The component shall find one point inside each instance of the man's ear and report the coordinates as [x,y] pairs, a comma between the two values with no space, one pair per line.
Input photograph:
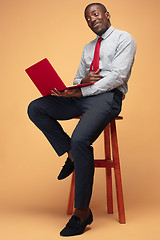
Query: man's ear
[107,15]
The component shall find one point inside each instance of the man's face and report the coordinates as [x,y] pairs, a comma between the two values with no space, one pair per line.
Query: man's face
[97,19]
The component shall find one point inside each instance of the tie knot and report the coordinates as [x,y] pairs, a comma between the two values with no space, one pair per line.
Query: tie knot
[100,39]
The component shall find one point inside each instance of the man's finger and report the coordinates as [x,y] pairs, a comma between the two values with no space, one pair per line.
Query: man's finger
[96,72]
[96,75]
[96,78]
[56,90]
[53,93]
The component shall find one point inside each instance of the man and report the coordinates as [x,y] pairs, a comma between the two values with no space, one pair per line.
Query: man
[98,104]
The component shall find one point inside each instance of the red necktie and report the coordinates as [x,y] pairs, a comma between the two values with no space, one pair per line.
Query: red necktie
[95,63]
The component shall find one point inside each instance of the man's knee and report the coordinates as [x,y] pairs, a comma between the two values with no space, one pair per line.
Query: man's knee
[32,110]
[78,141]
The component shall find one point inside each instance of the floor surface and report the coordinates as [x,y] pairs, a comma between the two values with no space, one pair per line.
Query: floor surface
[142,223]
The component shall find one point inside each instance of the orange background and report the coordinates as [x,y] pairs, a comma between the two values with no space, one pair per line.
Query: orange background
[35,29]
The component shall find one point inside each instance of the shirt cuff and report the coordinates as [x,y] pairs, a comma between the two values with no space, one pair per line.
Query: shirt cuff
[86,91]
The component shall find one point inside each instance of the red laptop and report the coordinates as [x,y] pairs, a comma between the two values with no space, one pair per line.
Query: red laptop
[46,78]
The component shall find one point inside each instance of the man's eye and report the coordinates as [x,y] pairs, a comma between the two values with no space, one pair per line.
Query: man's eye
[95,14]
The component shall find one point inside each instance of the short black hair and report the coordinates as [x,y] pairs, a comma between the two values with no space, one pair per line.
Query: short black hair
[99,4]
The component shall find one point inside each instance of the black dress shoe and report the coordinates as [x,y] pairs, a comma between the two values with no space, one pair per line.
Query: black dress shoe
[75,227]
[67,169]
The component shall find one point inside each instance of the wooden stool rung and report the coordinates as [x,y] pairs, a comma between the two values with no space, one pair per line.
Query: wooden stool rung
[104,163]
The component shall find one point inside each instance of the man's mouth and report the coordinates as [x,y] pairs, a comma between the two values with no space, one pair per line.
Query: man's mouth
[96,24]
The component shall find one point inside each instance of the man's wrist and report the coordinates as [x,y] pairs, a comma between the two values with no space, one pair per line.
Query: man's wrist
[78,92]
[81,81]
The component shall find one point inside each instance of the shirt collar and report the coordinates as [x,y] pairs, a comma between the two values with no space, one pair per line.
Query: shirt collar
[107,32]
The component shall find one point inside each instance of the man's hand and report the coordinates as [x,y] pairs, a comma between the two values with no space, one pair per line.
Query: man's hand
[92,77]
[72,92]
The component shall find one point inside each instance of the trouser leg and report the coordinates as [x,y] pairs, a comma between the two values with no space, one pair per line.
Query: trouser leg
[98,112]
[44,113]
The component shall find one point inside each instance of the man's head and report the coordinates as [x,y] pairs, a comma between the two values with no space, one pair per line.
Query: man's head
[97,17]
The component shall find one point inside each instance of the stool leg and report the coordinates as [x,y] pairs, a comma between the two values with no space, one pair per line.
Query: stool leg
[107,149]
[120,201]
[71,195]
[117,171]
[109,190]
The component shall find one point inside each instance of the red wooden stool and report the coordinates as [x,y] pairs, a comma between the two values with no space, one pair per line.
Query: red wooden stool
[110,135]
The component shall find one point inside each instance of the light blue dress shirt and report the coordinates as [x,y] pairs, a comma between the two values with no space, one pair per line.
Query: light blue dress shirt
[117,53]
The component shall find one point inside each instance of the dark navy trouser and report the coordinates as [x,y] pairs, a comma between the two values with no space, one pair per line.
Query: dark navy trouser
[96,111]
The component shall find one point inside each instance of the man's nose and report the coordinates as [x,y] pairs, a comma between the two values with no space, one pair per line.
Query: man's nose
[93,19]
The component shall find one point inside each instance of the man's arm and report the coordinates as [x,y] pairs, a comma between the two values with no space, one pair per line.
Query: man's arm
[83,76]
[120,70]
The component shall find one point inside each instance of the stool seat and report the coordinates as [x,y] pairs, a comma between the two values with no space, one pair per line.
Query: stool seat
[110,161]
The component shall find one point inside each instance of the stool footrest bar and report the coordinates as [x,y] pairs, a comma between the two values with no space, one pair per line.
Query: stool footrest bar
[104,163]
